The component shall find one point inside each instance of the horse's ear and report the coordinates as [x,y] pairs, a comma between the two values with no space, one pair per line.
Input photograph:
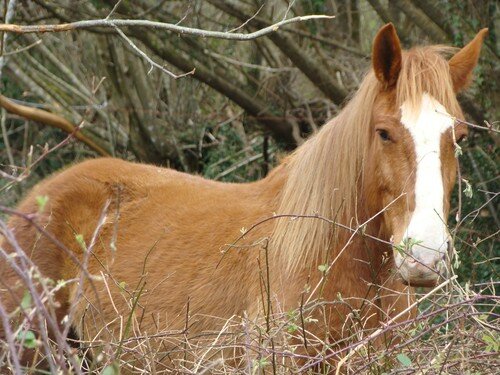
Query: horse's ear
[386,55]
[463,62]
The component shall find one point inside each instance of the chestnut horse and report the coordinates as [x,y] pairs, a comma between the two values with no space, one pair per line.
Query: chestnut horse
[359,209]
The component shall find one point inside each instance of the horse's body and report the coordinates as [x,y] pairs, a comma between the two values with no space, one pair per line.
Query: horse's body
[151,214]
[162,236]
[156,225]
[180,254]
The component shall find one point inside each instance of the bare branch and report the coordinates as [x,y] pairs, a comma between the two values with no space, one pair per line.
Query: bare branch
[489,127]
[86,24]
[148,59]
[50,119]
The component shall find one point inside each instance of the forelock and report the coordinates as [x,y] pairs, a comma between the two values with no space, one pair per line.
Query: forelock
[425,70]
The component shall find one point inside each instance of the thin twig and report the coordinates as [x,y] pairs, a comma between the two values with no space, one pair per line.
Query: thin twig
[148,59]
[114,9]
[488,127]
[23,49]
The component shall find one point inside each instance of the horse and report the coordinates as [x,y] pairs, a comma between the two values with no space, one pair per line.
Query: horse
[354,218]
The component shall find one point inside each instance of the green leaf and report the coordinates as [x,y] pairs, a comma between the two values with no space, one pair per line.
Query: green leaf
[292,328]
[81,241]
[468,188]
[112,369]
[406,245]
[323,267]
[404,359]
[26,301]
[61,283]
[41,201]
[28,338]
[263,362]
[493,343]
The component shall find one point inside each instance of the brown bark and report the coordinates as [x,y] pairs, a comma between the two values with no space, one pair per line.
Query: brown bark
[420,19]
[386,17]
[127,76]
[311,68]
[436,16]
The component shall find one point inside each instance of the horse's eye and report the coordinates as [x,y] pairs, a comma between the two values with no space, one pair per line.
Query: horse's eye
[463,137]
[384,134]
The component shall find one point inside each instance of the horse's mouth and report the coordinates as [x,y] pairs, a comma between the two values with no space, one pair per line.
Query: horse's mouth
[423,283]
[418,275]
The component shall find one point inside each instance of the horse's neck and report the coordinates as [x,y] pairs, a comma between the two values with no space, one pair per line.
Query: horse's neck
[276,178]
[363,270]
[271,186]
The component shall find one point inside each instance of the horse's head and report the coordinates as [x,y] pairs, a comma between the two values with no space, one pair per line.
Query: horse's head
[411,162]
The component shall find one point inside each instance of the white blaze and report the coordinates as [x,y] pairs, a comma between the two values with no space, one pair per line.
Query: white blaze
[427,223]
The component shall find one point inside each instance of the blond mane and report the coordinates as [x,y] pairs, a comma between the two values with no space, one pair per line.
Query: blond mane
[325,173]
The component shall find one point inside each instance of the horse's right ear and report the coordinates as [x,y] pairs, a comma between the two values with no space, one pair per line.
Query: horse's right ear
[386,55]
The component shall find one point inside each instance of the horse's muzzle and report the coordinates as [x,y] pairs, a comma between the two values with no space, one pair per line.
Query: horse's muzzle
[424,283]
[417,274]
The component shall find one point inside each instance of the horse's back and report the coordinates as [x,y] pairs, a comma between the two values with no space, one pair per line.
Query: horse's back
[136,204]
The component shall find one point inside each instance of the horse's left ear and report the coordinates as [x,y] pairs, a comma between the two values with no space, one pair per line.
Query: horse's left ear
[386,55]
[463,62]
